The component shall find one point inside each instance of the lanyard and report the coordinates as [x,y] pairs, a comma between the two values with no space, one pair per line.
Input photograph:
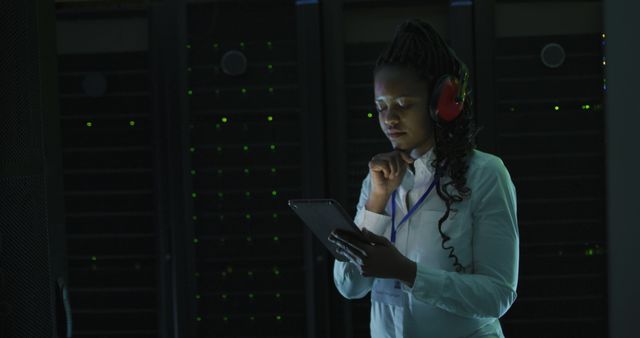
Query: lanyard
[413,209]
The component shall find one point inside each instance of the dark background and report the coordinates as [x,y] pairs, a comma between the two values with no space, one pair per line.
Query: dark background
[173,177]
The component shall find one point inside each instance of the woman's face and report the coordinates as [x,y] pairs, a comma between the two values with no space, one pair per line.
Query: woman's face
[401,101]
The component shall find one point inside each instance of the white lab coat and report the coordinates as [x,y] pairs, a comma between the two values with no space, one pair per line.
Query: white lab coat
[484,231]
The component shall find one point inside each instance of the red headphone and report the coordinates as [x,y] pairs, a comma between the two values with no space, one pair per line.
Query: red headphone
[449,94]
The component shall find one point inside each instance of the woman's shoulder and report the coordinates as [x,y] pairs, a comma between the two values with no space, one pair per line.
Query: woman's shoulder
[482,163]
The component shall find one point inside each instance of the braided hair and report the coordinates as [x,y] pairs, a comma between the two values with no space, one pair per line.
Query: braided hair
[418,47]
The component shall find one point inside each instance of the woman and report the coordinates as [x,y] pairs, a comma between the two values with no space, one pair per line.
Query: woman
[441,264]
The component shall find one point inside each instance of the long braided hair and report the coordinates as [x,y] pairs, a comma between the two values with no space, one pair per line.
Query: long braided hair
[417,46]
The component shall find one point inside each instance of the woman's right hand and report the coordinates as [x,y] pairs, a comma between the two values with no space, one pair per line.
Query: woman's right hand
[386,171]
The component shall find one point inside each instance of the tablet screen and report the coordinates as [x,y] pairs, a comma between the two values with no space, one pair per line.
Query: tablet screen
[323,216]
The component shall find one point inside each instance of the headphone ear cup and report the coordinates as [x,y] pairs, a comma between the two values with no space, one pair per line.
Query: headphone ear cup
[443,105]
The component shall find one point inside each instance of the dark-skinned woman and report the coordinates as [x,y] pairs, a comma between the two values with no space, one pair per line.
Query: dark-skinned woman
[440,216]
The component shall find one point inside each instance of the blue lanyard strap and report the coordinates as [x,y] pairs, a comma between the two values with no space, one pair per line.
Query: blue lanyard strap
[413,209]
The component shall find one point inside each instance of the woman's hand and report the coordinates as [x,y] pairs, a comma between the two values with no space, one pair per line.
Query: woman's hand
[386,171]
[377,258]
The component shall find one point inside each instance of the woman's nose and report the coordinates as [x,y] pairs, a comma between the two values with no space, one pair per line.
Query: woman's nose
[390,118]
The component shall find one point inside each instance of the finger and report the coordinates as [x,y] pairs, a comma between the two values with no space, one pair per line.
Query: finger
[406,157]
[352,258]
[348,236]
[392,167]
[381,168]
[384,165]
[346,245]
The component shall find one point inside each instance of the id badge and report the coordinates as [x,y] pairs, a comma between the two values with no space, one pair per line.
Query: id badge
[387,291]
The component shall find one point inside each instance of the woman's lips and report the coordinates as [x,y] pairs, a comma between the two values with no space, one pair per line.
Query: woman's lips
[395,134]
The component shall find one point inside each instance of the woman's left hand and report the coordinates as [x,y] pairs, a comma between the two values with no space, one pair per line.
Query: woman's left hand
[378,258]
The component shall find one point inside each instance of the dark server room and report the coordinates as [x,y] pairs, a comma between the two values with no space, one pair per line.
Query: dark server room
[319,168]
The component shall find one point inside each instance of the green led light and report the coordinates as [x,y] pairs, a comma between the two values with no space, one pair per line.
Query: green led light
[225,318]
[241,44]
[217,125]
[188,45]
[192,149]
[195,241]
[270,89]
[250,273]
[215,45]
[219,148]
[245,148]
[193,172]
[269,66]
[278,317]
[370,115]
[604,36]
[197,296]
[272,147]
[89,124]
[251,295]
[189,92]
[94,258]
[274,193]
[275,215]
[246,171]
[243,90]
[132,123]
[220,194]
[188,69]
[269,118]
[193,194]
[199,318]
[247,194]
[273,170]
[269,44]
[252,318]
[276,238]
[276,271]
[195,218]
[556,108]
[512,109]
[278,295]
[224,119]
[224,296]
[589,252]
[247,216]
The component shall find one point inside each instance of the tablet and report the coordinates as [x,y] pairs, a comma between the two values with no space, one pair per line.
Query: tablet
[323,216]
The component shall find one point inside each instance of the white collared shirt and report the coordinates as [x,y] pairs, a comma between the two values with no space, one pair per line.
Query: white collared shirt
[484,232]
